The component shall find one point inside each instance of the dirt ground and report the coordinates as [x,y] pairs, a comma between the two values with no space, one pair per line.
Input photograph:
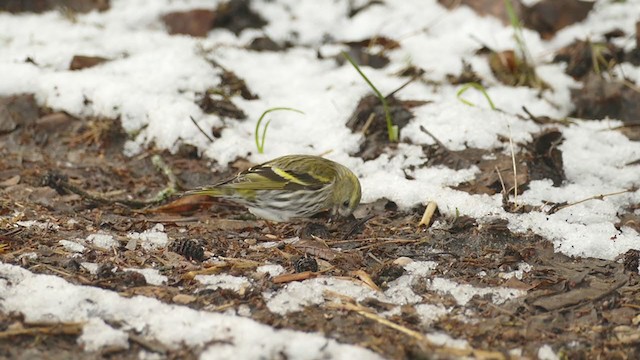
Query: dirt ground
[70,173]
[588,303]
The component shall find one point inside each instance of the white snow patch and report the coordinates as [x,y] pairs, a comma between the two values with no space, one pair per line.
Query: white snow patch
[91,267]
[442,339]
[296,295]
[152,276]
[103,241]
[151,239]
[462,293]
[224,281]
[46,298]
[518,273]
[546,353]
[96,334]
[271,269]
[430,313]
[72,246]
[46,225]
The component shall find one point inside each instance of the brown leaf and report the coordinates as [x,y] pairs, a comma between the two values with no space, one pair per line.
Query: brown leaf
[185,205]
[549,16]
[82,6]
[196,22]
[514,283]
[16,111]
[80,62]
[10,181]
[545,161]
[600,98]
[493,8]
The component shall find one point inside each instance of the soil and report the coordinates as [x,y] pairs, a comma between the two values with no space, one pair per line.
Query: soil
[588,303]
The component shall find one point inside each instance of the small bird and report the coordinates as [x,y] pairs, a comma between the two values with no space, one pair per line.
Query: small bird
[291,186]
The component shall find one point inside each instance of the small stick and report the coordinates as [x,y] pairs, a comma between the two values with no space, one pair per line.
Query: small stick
[557,208]
[440,143]
[199,128]
[413,78]
[428,213]
[54,329]
[504,189]
[356,226]
[150,345]
[366,279]
[459,158]
[399,241]
[375,258]
[285,278]
[368,123]
[375,317]
[513,161]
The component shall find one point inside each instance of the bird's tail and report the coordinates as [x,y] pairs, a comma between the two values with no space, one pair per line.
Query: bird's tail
[214,192]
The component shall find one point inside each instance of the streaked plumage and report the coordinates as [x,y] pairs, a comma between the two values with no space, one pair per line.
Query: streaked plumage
[292,186]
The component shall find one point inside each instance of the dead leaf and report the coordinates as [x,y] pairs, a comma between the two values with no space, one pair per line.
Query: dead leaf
[600,98]
[549,16]
[183,299]
[196,22]
[79,62]
[14,180]
[185,205]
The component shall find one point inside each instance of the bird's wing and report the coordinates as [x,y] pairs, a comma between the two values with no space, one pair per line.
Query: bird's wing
[270,177]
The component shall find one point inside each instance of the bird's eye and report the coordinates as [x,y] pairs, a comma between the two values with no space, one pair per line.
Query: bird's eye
[345,203]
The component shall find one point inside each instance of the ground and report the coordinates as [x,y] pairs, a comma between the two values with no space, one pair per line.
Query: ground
[77,205]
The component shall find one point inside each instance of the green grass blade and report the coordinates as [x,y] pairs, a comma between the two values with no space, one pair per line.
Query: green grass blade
[392,129]
[478,87]
[261,139]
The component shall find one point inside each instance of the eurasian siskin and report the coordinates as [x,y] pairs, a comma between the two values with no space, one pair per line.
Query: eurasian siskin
[292,186]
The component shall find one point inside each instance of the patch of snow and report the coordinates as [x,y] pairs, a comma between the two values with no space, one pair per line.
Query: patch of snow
[103,241]
[151,239]
[96,334]
[546,353]
[442,339]
[72,246]
[271,269]
[152,276]
[223,281]
[295,296]
[46,225]
[91,267]
[518,273]
[421,268]
[46,298]
[462,293]
[28,255]
[430,313]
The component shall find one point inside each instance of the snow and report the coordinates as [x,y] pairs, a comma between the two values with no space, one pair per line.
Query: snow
[104,241]
[96,334]
[224,281]
[39,224]
[298,295]
[153,78]
[462,293]
[152,276]
[271,269]
[72,246]
[46,298]
[153,238]
[546,353]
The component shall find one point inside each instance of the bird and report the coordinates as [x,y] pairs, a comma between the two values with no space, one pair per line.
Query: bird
[291,187]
